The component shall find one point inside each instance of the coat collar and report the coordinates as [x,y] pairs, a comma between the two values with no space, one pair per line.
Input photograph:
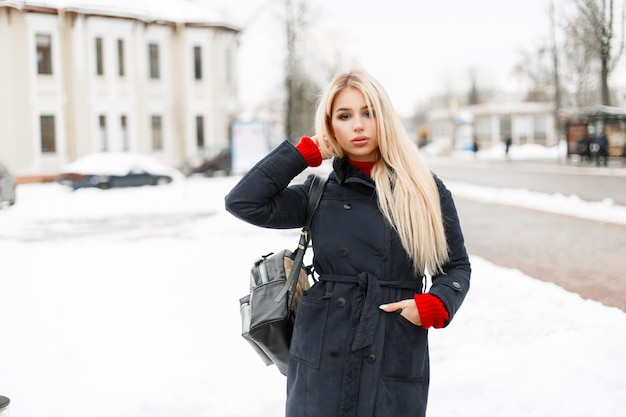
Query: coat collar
[346,172]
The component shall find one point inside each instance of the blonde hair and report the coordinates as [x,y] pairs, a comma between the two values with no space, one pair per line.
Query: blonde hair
[406,190]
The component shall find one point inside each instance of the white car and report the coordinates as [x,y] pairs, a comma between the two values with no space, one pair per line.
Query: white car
[106,170]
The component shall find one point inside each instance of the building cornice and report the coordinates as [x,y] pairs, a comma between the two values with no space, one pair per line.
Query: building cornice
[83,8]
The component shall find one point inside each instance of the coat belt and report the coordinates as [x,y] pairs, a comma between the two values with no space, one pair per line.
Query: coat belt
[370,294]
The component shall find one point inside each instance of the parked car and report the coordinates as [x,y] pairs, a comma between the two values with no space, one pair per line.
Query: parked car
[220,162]
[7,187]
[106,170]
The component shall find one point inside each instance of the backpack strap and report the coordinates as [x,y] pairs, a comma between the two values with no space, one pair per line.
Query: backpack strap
[315,195]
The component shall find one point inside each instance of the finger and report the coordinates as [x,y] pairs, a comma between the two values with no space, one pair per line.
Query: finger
[390,307]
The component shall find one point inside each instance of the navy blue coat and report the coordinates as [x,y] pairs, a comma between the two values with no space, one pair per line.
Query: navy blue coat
[347,357]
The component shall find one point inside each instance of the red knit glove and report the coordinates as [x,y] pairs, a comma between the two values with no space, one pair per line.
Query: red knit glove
[309,151]
[432,311]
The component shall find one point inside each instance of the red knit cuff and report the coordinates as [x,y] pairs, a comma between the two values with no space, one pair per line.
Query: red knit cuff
[309,151]
[432,311]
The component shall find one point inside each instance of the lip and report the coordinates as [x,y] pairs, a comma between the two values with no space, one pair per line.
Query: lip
[360,140]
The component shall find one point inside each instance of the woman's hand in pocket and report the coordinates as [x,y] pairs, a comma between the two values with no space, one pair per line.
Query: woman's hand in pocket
[408,310]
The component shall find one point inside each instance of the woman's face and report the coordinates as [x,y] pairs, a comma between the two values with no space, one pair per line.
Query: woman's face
[354,127]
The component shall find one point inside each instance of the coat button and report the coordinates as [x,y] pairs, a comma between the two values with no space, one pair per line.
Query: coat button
[334,353]
[341,302]
[382,256]
[371,359]
[347,206]
[343,252]
[456,285]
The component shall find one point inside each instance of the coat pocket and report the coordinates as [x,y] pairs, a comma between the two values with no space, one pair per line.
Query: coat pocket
[308,334]
[406,351]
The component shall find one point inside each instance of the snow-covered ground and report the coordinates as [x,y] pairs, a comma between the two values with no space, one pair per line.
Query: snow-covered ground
[124,303]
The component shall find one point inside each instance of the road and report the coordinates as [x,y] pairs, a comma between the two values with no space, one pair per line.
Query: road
[588,182]
[583,256]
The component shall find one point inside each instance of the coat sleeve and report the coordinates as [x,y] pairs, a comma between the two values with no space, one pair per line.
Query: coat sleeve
[453,284]
[263,196]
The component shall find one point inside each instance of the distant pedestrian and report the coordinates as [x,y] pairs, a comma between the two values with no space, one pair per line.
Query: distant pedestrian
[582,148]
[599,148]
[507,146]
[475,147]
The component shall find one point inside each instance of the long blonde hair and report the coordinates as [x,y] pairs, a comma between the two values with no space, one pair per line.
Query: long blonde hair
[405,187]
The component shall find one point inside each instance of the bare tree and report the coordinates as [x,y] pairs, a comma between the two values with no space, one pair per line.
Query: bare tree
[556,70]
[535,69]
[592,35]
[582,68]
[299,87]
[473,96]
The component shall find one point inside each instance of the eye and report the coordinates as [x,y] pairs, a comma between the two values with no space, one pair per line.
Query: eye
[343,116]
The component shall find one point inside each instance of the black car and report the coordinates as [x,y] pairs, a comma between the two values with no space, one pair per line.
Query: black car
[221,162]
[7,187]
[115,169]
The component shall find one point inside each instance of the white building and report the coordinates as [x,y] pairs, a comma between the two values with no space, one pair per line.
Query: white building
[77,77]
[491,123]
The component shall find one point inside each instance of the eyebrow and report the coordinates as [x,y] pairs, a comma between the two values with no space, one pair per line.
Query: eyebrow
[348,109]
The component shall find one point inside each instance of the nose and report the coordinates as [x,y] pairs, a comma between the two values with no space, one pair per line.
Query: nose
[358,123]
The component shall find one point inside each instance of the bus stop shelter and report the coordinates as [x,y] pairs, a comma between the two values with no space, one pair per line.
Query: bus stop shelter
[594,120]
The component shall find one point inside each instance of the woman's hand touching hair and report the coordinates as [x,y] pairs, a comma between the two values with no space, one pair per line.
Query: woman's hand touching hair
[325,147]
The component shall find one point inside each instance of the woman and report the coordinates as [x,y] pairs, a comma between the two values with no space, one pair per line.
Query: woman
[360,345]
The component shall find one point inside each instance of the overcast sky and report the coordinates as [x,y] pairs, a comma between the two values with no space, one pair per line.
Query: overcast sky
[416,48]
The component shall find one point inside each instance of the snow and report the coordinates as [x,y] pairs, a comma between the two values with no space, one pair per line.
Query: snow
[125,303]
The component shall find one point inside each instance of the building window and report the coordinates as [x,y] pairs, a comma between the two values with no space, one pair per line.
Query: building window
[197,62]
[200,132]
[124,132]
[229,66]
[157,133]
[99,58]
[153,52]
[523,128]
[44,54]
[102,132]
[48,136]
[483,128]
[121,69]
[540,127]
[505,126]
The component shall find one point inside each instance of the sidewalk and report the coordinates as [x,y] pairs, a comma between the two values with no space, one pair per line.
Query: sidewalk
[583,256]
